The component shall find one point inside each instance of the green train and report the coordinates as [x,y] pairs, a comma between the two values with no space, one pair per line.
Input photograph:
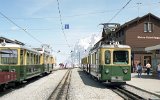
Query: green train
[109,62]
[27,62]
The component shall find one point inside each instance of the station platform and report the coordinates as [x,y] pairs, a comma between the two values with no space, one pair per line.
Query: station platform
[147,82]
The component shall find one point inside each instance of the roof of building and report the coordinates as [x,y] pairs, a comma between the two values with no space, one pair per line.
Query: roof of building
[139,18]
[104,34]
[151,48]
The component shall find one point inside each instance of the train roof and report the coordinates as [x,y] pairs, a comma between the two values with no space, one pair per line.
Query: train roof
[37,50]
[11,45]
[6,40]
[115,46]
[109,45]
[42,50]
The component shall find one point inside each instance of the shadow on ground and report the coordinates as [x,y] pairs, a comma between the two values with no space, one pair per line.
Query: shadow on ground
[90,81]
[145,76]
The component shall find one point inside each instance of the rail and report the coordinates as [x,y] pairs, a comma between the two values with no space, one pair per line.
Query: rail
[129,92]
[61,91]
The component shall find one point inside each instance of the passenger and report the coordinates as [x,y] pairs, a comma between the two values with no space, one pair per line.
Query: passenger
[139,69]
[148,65]
[134,68]
[158,70]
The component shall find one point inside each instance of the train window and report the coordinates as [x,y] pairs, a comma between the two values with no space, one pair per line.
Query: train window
[37,62]
[28,58]
[120,57]
[32,58]
[21,57]
[9,56]
[107,57]
[39,59]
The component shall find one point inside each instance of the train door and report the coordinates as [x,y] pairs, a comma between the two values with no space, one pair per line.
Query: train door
[87,63]
[96,62]
[90,63]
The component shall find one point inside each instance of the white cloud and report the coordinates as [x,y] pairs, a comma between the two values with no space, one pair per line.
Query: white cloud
[38,5]
[14,28]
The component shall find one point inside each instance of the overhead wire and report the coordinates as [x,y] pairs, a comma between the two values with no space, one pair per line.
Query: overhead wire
[9,19]
[54,17]
[82,14]
[20,27]
[119,11]
[60,17]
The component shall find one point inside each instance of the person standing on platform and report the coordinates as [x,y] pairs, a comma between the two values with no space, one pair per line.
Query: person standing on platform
[139,69]
[158,70]
[148,65]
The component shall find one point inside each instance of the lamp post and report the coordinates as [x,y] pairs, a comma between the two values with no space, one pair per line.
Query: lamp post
[72,58]
[79,58]
[138,7]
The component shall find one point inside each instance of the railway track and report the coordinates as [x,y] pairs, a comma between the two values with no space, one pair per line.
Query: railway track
[129,92]
[61,91]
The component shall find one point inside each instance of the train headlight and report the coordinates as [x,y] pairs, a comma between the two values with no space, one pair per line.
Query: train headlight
[125,71]
[107,71]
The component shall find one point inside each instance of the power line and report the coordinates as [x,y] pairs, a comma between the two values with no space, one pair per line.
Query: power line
[119,11]
[54,17]
[19,27]
[60,17]
[76,15]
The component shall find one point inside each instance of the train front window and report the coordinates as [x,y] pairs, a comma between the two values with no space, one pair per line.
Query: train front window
[9,56]
[120,57]
[107,57]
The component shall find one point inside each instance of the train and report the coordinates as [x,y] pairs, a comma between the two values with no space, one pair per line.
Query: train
[19,62]
[109,62]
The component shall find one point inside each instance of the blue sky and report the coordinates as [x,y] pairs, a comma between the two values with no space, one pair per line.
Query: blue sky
[41,19]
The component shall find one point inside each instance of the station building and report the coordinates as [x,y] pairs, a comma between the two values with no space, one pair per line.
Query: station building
[138,33]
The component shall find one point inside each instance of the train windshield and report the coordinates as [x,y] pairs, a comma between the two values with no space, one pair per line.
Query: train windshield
[8,56]
[120,57]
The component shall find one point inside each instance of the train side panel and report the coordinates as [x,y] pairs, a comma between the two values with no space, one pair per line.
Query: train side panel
[23,71]
[6,77]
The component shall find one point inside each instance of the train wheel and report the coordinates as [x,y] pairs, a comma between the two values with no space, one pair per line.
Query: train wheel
[118,83]
[3,87]
[100,81]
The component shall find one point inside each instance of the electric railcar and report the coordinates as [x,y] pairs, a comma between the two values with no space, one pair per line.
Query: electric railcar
[24,61]
[109,62]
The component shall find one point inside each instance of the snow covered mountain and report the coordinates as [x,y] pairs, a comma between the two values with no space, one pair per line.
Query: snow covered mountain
[82,47]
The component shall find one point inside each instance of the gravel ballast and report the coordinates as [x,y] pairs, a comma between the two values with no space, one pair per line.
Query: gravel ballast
[83,87]
[38,90]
